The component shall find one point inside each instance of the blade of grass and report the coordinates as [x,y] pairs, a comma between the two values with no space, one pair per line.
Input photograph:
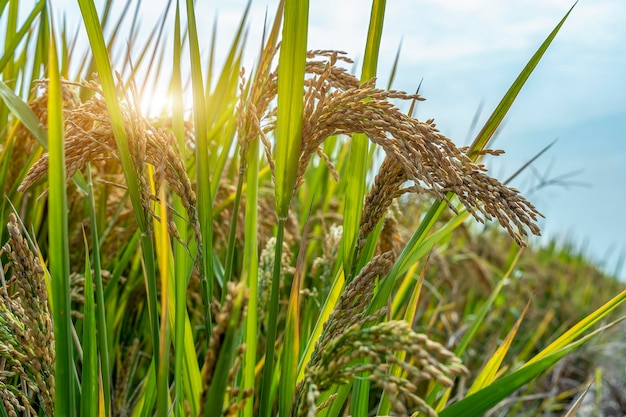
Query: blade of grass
[41,53]
[327,309]
[477,404]
[540,330]
[20,109]
[163,258]
[503,107]
[96,40]
[394,67]
[251,251]
[203,175]
[251,272]
[65,392]
[10,69]
[291,69]
[579,401]
[90,386]
[181,263]
[582,326]
[100,304]
[358,156]
[477,322]
[490,370]
[222,102]
[265,409]
[13,40]
[291,338]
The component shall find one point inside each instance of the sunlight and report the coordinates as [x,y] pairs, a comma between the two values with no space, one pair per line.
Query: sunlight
[155,102]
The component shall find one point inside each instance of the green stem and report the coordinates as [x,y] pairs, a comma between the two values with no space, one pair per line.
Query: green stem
[100,315]
[230,250]
[268,370]
[147,249]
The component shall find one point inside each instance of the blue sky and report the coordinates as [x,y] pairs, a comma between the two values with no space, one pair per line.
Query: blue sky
[468,53]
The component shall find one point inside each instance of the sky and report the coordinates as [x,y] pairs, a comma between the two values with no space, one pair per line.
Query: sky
[466,54]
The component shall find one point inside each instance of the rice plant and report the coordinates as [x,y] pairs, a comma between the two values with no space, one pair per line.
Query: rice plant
[235,260]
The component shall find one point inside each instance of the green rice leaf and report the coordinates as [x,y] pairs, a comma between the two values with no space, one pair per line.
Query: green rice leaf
[164,259]
[476,404]
[64,393]
[358,156]
[494,121]
[96,40]
[203,174]
[20,109]
[329,305]
[291,67]
[291,337]
[13,40]
[580,328]
[100,303]
[90,386]
[251,273]
[268,379]
[488,374]
[189,388]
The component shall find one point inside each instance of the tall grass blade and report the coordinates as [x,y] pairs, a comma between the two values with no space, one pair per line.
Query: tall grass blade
[251,250]
[90,386]
[251,272]
[579,328]
[13,40]
[164,259]
[203,174]
[265,409]
[494,121]
[20,109]
[477,404]
[578,403]
[96,40]
[394,67]
[182,262]
[329,305]
[358,156]
[291,67]
[291,344]
[491,368]
[65,392]
[100,303]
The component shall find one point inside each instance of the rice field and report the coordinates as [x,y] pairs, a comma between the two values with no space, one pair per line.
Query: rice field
[282,239]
